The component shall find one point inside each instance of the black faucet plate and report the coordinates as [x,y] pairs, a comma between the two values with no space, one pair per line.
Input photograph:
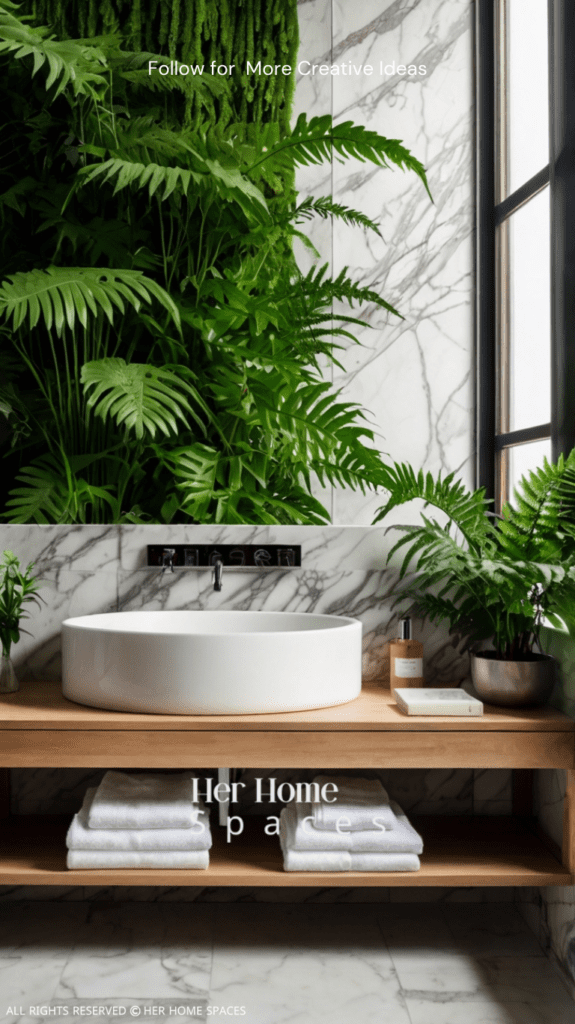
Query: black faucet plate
[236,556]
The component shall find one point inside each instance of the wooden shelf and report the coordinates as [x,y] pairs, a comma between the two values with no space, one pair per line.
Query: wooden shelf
[40,705]
[458,851]
[38,727]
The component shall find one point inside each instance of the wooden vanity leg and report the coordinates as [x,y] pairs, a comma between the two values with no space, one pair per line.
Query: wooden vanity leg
[4,792]
[569,823]
[522,790]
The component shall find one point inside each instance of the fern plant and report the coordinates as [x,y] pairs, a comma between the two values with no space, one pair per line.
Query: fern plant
[164,351]
[491,578]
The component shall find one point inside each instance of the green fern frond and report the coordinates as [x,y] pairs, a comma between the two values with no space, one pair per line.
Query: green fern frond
[153,176]
[62,295]
[140,397]
[148,176]
[310,418]
[543,512]
[468,510]
[318,140]
[325,207]
[50,493]
[321,290]
[68,63]
[237,489]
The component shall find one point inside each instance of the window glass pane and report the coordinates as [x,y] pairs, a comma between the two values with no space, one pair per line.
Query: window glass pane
[527,90]
[524,457]
[530,314]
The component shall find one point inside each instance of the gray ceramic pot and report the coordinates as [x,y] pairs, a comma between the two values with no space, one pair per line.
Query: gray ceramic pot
[513,684]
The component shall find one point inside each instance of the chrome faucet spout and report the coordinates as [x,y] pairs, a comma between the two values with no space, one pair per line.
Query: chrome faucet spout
[218,572]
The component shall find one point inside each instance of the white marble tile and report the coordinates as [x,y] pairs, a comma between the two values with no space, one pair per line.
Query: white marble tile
[418,932]
[549,794]
[75,547]
[437,894]
[559,921]
[65,593]
[41,929]
[532,909]
[490,930]
[51,790]
[485,1011]
[144,893]
[41,893]
[492,792]
[510,979]
[27,982]
[443,972]
[304,965]
[516,979]
[138,950]
[423,263]
[153,590]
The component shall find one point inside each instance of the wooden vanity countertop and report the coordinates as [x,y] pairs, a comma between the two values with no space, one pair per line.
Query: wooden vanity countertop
[41,705]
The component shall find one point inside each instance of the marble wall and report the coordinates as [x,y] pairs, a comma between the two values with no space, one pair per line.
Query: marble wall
[413,375]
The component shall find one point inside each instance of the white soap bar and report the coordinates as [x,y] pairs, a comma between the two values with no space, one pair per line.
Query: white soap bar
[430,701]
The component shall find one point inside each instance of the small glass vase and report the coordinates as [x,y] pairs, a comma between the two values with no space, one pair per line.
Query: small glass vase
[8,678]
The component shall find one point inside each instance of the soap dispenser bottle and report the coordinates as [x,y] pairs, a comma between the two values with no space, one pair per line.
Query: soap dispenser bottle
[406,660]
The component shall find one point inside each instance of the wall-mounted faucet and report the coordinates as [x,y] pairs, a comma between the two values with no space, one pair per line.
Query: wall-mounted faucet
[217,574]
[168,556]
[235,556]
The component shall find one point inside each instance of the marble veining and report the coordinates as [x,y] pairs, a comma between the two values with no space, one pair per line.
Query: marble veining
[400,963]
[415,371]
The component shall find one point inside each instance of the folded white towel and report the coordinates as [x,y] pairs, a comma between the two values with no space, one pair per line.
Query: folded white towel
[321,860]
[82,837]
[144,801]
[360,800]
[92,859]
[385,862]
[301,834]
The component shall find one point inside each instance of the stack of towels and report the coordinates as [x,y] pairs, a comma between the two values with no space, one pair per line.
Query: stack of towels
[316,844]
[140,821]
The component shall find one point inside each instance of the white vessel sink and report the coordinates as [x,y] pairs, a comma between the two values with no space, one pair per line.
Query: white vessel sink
[211,663]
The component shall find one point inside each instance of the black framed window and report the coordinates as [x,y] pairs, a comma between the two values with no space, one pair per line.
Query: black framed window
[522,242]
[525,52]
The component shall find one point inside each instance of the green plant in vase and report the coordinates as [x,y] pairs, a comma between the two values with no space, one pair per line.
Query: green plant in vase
[493,578]
[18,587]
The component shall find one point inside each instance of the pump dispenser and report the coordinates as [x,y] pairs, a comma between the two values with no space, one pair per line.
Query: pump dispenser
[406,659]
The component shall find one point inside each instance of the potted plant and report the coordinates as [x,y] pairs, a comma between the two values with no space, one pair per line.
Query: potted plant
[18,587]
[493,578]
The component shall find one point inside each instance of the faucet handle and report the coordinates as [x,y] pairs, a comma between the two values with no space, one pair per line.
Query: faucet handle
[168,555]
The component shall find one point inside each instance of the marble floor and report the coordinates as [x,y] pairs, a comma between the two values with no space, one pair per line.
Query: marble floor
[277,963]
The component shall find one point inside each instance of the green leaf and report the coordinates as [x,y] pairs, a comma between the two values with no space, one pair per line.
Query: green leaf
[42,496]
[62,295]
[142,398]
[325,207]
[316,141]
[68,63]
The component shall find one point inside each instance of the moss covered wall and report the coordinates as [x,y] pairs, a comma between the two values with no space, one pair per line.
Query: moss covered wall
[198,32]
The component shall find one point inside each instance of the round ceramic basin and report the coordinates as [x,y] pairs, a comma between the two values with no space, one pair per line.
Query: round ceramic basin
[211,663]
